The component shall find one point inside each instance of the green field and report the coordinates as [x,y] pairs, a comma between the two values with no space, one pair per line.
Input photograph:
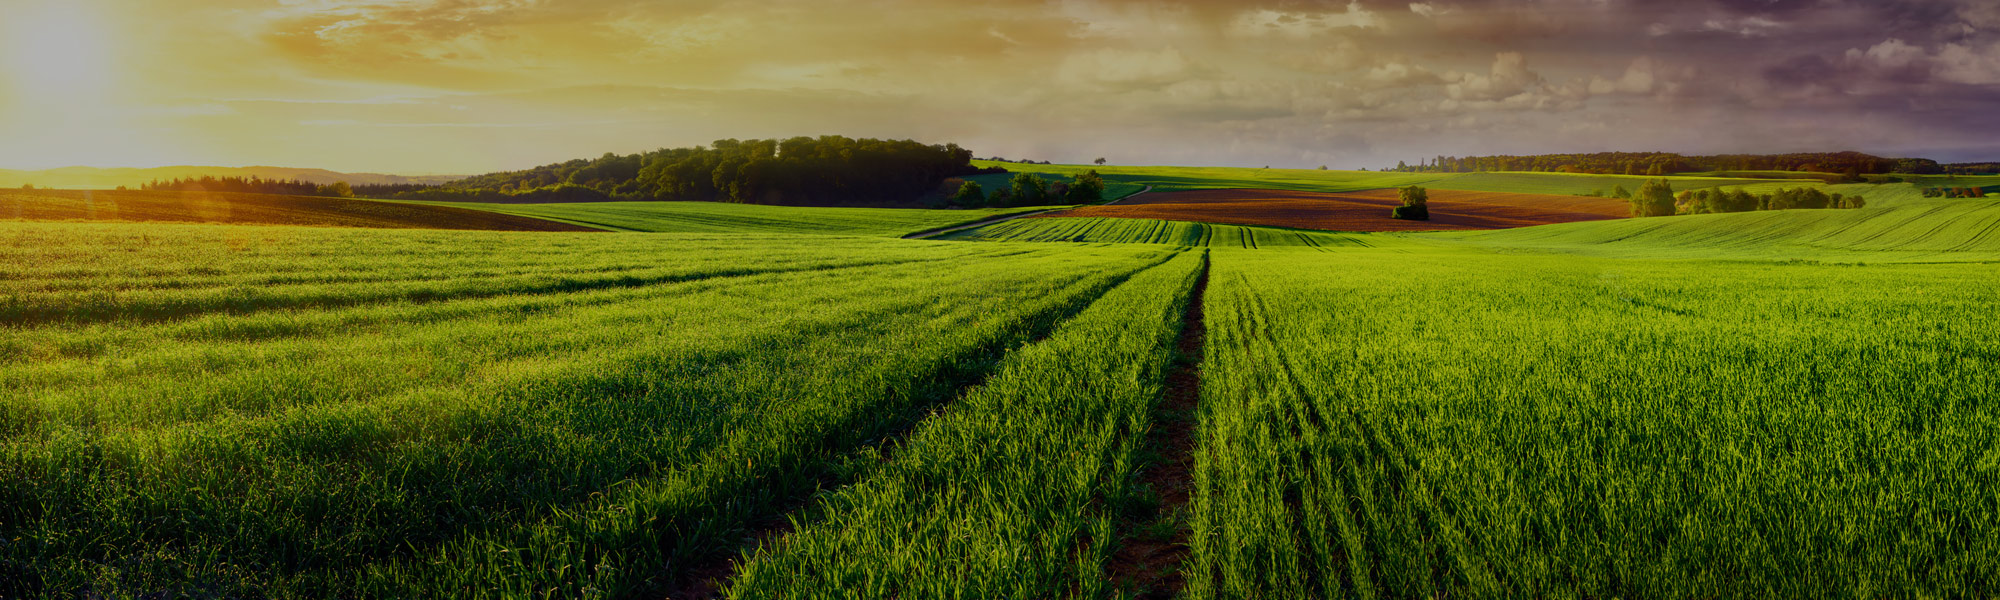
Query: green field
[1454,425]
[718,217]
[1934,230]
[1786,403]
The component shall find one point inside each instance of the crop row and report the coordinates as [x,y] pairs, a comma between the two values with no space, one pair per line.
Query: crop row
[1387,426]
[517,443]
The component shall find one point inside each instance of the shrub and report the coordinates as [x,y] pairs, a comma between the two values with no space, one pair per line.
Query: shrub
[1088,188]
[1030,190]
[969,195]
[1416,205]
[1654,199]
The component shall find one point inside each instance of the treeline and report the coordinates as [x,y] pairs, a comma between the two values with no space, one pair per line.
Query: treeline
[241,185]
[801,171]
[1028,189]
[1849,164]
[1987,168]
[1656,198]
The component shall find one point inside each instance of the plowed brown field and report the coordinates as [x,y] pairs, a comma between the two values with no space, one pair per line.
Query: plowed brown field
[1357,211]
[257,209]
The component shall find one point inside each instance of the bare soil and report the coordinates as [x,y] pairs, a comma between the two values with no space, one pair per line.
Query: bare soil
[1146,561]
[256,209]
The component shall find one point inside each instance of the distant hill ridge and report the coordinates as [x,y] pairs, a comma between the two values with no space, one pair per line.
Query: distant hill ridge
[97,178]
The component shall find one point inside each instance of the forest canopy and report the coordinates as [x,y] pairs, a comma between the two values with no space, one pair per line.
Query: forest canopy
[801,171]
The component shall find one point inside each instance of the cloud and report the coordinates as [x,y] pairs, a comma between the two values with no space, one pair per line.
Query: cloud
[1509,77]
[1126,68]
[1961,63]
[1304,24]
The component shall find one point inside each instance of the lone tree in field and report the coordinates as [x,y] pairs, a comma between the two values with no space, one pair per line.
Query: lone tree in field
[1416,205]
[1654,199]
[970,195]
[1100,161]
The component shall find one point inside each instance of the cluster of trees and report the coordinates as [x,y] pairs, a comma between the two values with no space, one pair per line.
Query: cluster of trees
[1416,205]
[249,185]
[286,187]
[1656,198]
[1028,189]
[1954,192]
[801,171]
[1987,168]
[1850,164]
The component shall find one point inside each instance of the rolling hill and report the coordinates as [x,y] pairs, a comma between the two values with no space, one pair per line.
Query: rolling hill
[92,178]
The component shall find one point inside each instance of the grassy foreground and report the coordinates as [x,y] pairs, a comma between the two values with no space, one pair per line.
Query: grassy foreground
[338,413]
[1689,406]
[1455,425]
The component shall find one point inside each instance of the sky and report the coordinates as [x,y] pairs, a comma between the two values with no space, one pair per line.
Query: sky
[470,86]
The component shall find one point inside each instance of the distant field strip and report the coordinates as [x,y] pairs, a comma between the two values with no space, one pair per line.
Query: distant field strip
[718,217]
[256,209]
[1358,211]
[1573,184]
[1952,230]
[1172,179]
[1172,233]
[1397,426]
[511,443]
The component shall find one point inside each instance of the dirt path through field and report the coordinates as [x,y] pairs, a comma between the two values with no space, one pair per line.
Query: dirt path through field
[923,235]
[1150,555]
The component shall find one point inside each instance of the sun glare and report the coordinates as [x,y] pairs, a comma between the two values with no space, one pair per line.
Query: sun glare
[56,46]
